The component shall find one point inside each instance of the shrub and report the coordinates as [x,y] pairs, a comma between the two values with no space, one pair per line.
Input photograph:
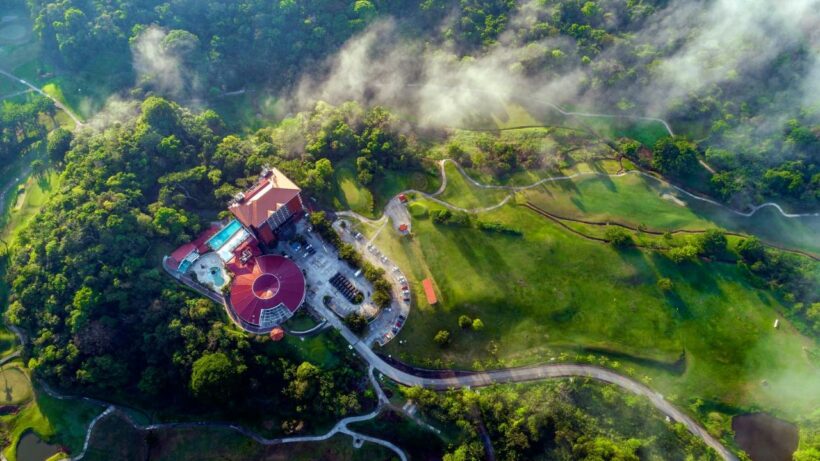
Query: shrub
[617,236]
[464,321]
[712,242]
[450,218]
[214,375]
[418,210]
[356,322]
[501,228]
[442,338]
[682,254]
[478,325]
[751,250]
[381,298]
[665,284]
[440,216]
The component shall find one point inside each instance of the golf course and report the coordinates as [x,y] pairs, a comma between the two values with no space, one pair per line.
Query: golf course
[550,295]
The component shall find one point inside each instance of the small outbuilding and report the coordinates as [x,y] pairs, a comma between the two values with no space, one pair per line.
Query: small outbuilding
[277,334]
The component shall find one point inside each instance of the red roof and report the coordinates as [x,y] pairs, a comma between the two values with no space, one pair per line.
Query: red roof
[268,281]
[403,227]
[180,253]
[264,198]
[236,266]
[429,291]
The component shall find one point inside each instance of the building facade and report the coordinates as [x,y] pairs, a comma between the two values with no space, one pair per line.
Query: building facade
[271,202]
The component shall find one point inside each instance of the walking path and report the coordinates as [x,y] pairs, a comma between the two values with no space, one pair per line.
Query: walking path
[57,103]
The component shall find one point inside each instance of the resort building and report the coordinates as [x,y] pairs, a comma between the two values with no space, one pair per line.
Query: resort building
[269,204]
[227,264]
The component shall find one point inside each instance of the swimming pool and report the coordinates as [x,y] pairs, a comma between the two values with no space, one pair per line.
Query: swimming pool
[216,276]
[224,235]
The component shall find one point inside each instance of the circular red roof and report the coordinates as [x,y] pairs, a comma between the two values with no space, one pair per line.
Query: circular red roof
[271,281]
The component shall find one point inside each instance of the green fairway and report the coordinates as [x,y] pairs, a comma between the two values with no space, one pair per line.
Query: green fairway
[550,292]
[38,191]
[58,421]
[461,193]
[16,387]
[427,180]
[419,442]
[637,200]
[349,193]
[8,341]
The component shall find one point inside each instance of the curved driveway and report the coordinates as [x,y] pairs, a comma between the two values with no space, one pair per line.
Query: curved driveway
[515,375]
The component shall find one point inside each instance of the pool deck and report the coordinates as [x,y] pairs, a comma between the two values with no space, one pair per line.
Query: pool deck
[202,268]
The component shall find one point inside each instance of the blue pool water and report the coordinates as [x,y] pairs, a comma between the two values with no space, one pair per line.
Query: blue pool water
[184,266]
[216,275]
[224,235]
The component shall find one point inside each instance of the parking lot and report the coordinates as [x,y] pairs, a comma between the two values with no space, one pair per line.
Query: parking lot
[388,324]
[320,263]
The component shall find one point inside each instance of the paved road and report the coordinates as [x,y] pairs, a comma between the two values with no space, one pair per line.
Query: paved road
[57,103]
[515,375]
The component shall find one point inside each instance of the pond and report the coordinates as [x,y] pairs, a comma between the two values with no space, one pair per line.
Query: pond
[764,437]
[32,448]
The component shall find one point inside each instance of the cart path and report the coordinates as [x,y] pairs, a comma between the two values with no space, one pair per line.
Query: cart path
[747,214]
[57,103]
[341,427]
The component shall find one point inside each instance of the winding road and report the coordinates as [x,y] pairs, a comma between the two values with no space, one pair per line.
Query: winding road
[523,374]
[460,380]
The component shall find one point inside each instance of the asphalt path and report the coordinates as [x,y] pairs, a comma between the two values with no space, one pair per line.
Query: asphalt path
[57,103]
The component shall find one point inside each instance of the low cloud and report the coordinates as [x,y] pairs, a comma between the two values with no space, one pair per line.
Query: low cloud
[160,64]
[691,46]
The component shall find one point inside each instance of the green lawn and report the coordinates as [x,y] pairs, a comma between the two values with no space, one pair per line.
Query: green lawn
[646,132]
[550,292]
